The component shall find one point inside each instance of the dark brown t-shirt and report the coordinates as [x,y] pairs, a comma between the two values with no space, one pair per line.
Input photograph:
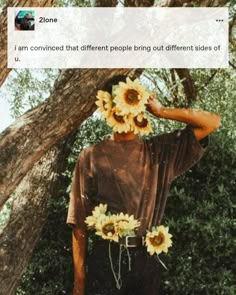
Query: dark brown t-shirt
[132,177]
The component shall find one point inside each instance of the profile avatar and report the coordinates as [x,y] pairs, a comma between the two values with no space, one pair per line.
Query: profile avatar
[25,20]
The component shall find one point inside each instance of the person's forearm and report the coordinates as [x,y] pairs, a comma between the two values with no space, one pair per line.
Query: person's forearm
[195,118]
[79,244]
[203,122]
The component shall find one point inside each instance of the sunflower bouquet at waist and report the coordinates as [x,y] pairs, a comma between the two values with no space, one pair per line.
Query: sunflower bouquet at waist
[113,227]
[125,109]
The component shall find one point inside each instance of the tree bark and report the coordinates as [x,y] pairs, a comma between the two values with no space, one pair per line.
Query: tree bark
[127,3]
[138,3]
[104,3]
[31,135]
[4,71]
[29,213]
[191,3]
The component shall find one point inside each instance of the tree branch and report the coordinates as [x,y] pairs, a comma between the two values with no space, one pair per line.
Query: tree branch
[208,81]
[139,3]
[232,65]
[188,84]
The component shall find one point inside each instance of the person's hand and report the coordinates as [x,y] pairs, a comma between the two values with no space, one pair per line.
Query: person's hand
[154,106]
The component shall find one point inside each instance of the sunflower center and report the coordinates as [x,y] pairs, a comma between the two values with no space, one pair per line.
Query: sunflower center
[131,96]
[157,240]
[141,124]
[108,228]
[118,118]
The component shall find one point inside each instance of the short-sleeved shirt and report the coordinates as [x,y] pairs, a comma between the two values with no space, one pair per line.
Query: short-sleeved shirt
[132,176]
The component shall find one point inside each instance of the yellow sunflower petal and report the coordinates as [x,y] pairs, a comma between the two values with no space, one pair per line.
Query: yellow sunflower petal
[103,102]
[118,121]
[131,97]
[140,124]
[106,228]
[126,225]
[158,240]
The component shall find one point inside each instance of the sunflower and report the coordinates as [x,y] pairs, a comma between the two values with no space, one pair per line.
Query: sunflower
[104,102]
[107,229]
[158,240]
[97,214]
[90,221]
[126,224]
[140,124]
[131,97]
[118,121]
[100,209]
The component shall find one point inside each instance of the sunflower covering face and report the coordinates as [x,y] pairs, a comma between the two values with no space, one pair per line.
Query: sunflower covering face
[104,102]
[131,97]
[117,120]
[124,110]
[140,124]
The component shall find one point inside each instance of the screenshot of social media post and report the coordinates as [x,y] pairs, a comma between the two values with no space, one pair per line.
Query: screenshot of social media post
[117,147]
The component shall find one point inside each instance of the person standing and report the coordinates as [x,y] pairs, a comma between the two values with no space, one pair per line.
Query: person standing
[130,176]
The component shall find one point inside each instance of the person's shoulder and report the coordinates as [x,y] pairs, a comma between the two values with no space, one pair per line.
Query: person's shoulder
[165,137]
[170,137]
[91,149]
[86,151]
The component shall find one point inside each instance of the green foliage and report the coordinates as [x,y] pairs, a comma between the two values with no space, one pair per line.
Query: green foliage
[201,205]
[200,215]
[168,91]
[2,4]
[27,88]
[71,3]
[5,213]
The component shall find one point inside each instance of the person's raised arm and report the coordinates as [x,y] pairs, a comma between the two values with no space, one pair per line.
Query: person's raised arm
[203,122]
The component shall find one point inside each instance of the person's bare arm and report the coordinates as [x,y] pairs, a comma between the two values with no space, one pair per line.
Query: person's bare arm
[79,246]
[76,218]
[203,122]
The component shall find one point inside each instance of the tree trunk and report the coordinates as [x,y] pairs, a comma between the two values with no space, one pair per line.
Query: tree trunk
[31,135]
[191,3]
[138,3]
[104,3]
[4,71]
[28,215]
[127,3]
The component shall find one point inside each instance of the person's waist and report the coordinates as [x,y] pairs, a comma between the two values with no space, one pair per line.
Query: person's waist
[132,241]
[127,241]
